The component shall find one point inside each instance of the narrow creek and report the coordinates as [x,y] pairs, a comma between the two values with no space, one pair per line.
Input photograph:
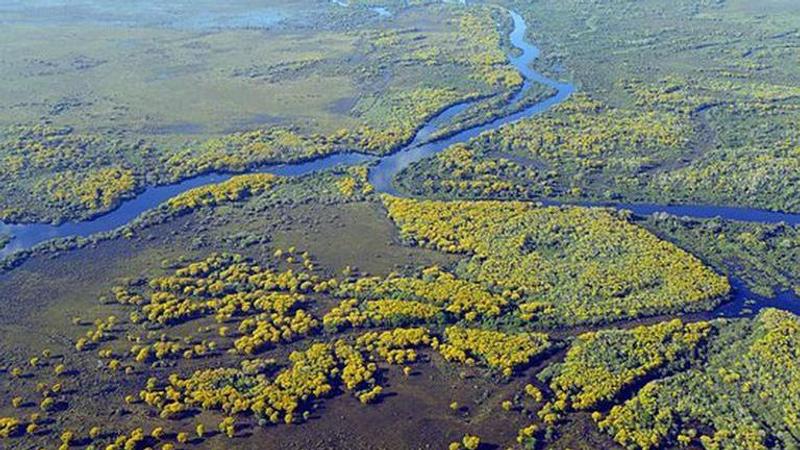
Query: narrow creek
[383,170]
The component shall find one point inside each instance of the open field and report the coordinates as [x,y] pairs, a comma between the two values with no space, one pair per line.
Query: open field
[115,107]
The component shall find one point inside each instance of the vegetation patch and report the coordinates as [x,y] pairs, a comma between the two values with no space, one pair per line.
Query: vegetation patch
[565,265]
[337,80]
[765,256]
[602,365]
[744,395]
[694,113]
[500,351]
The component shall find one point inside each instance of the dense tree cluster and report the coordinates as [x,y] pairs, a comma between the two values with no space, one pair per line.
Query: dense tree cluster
[562,264]
[502,351]
[49,163]
[461,170]
[379,312]
[239,151]
[746,395]
[98,190]
[433,285]
[601,365]
[223,285]
[468,442]
[9,426]
[313,373]
[479,32]
[268,329]
[396,346]
[284,398]
[355,183]
[237,188]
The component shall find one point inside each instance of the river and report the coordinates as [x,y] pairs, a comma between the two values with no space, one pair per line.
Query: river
[383,170]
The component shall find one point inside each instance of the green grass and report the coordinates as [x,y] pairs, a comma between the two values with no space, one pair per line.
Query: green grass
[744,395]
[159,102]
[765,256]
[623,270]
[716,78]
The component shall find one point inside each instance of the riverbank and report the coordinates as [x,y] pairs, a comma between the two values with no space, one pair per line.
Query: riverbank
[30,238]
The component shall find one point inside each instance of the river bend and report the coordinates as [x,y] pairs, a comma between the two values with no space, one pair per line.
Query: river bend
[383,170]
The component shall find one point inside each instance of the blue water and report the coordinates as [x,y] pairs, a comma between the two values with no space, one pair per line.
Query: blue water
[710,212]
[384,169]
[744,302]
[382,174]
[27,235]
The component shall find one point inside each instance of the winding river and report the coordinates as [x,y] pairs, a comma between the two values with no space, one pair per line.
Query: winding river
[383,169]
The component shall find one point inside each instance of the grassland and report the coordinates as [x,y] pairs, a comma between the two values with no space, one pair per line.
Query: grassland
[312,312]
[694,103]
[114,109]
[289,296]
